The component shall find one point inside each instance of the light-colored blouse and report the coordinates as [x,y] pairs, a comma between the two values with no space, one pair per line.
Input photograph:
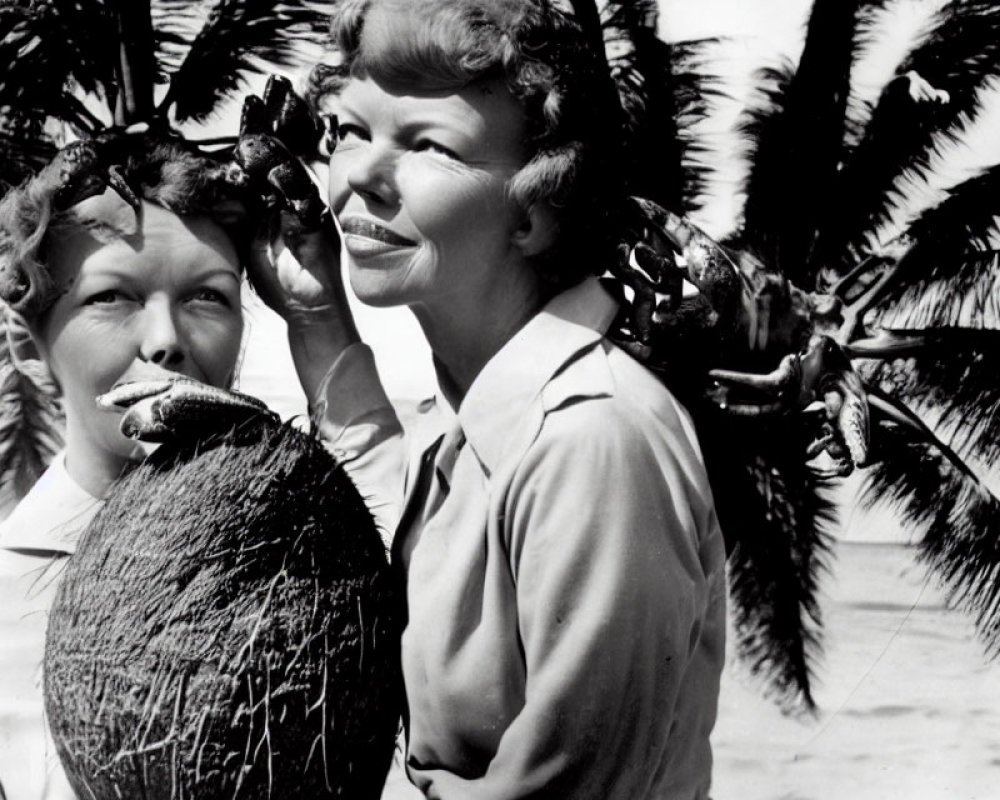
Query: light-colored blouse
[35,541]
[563,563]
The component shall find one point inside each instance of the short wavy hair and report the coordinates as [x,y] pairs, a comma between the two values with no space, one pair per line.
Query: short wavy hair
[542,55]
[165,170]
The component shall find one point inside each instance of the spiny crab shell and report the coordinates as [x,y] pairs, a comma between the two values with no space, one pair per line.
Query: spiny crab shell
[755,344]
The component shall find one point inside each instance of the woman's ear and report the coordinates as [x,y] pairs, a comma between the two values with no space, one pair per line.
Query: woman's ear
[537,231]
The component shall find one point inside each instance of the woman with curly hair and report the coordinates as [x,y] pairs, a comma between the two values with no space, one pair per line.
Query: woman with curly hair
[135,282]
[555,531]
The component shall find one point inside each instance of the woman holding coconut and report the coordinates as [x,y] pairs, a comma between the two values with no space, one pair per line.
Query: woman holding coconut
[563,565]
[141,283]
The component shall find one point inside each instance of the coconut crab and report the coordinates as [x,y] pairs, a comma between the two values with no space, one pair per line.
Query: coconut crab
[84,169]
[766,346]
[274,132]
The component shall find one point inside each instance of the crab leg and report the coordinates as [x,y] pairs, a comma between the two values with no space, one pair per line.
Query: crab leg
[887,344]
[823,374]
[162,409]
[782,383]
[889,261]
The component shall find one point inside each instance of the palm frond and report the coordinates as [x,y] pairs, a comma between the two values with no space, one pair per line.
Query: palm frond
[47,49]
[950,377]
[958,529]
[24,146]
[798,145]
[640,67]
[961,51]
[963,221]
[947,275]
[695,88]
[664,90]
[776,522]
[135,69]
[942,291]
[236,37]
[30,416]
[175,25]
[905,132]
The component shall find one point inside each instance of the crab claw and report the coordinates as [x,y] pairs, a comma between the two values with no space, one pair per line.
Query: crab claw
[271,169]
[753,394]
[290,118]
[705,265]
[846,405]
[161,410]
[82,170]
[823,375]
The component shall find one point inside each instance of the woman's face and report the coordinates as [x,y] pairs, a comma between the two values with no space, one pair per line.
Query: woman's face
[418,182]
[166,298]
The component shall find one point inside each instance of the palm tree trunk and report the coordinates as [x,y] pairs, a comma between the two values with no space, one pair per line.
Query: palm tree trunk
[136,66]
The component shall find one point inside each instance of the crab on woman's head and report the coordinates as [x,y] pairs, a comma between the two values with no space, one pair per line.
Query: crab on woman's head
[468,158]
[114,293]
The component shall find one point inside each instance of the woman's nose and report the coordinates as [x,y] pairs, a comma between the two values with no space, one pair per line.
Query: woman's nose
[161,342]
[371,174]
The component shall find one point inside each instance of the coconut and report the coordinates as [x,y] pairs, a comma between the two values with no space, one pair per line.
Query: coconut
[228,628]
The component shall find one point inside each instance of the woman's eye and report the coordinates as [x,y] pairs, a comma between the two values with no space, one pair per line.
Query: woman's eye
[208,295]
[342,135]
[430,146]
[103,298]
[348,131]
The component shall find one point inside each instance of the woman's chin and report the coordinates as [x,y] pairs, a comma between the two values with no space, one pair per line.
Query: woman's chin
[375,291]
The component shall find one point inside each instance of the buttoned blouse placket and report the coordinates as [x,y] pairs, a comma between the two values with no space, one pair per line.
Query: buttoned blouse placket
[426,493]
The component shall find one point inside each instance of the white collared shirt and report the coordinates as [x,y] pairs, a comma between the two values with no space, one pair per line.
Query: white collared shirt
[564,569]
[35,541]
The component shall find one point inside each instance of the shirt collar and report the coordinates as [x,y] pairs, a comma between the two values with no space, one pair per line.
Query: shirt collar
[51,516]
[570,324]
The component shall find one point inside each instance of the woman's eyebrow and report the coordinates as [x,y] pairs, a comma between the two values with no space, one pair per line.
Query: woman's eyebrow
[125,272]
[211,273]
[109,271]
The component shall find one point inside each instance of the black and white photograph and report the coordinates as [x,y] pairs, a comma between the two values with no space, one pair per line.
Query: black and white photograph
[499,399]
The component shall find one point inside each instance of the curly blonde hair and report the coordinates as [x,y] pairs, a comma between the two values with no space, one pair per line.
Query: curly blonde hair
[164,170]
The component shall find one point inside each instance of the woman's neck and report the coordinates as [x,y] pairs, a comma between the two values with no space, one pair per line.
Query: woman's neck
[92,468]
[466,335]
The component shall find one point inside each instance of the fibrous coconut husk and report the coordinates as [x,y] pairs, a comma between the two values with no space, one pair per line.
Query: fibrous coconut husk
[227,628]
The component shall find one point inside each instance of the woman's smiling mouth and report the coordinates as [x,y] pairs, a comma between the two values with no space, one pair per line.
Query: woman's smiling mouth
[365,237]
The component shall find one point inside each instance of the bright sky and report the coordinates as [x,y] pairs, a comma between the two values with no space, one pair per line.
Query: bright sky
[777,23]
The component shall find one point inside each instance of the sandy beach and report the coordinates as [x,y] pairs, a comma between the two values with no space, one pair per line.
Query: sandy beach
[909,707]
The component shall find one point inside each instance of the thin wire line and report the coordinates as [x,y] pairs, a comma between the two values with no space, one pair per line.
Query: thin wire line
[867,673]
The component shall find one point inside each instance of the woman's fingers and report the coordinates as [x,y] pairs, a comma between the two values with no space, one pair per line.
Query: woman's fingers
[296,271]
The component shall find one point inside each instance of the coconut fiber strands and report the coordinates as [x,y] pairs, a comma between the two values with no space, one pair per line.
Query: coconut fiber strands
[227,629]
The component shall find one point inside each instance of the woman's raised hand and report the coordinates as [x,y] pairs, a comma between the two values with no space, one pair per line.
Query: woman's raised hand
[294,263]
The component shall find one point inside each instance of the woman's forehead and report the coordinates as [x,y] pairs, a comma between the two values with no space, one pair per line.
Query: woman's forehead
[101,234]
[484,109]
